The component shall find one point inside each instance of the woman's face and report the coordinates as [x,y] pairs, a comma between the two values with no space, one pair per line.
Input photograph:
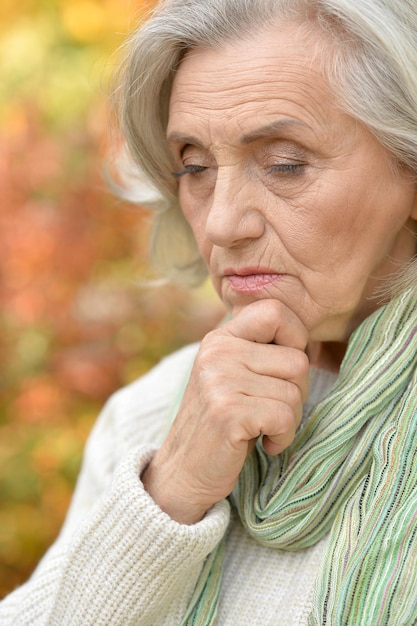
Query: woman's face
[287,196]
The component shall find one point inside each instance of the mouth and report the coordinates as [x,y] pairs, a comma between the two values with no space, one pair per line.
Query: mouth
[251,279]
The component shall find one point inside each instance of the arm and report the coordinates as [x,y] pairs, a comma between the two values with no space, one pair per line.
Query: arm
[119,559]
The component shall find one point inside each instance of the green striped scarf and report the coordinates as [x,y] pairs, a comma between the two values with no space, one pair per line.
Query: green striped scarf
[351,472]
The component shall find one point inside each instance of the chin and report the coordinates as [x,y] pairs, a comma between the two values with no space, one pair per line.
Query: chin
[333,330]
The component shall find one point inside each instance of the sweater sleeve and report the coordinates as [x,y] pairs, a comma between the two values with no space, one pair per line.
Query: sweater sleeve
[119,559]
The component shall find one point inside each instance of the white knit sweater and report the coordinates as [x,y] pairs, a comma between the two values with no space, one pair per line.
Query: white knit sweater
[121,561]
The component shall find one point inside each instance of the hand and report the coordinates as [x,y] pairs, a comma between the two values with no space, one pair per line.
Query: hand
[250,378]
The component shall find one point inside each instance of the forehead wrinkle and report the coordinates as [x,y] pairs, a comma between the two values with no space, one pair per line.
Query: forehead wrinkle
[195,87]
[292,87]
[268,66]
[281,93]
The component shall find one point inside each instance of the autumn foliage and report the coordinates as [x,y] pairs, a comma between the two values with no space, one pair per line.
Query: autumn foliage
[75,322]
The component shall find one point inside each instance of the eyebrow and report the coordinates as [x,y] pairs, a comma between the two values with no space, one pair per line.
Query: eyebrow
[274,128]
[177,137]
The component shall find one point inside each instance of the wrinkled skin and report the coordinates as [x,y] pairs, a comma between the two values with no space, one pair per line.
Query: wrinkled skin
[299,214]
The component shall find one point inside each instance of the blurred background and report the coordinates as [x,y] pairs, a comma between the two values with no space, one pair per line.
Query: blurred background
[75,324]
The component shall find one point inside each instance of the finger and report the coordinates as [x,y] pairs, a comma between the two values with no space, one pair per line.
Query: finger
[268,388]
[287,423]
[276,446]
[268,321]
[279,362]
[275,420]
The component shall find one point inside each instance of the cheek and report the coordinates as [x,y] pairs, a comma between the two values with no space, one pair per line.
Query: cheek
[349,237]
[317,230]
[196,219]
[192,216]
[333,226]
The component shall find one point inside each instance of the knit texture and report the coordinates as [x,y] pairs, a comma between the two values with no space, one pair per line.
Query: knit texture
[120,560]
[351,470]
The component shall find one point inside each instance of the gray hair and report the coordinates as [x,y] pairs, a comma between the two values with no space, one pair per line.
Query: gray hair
[372,67]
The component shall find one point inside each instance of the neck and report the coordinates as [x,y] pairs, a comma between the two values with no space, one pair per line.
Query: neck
[326,355]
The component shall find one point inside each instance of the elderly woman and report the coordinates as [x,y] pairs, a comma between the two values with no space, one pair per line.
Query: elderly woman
[267,476]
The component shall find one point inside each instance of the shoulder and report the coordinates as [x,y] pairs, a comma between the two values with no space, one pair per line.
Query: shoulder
[141,412]
[162,381]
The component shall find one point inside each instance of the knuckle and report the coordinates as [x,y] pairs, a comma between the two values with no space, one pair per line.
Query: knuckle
[265,312]
[214,346]
[286,418]
[221,405]
[272,310]
[207,346]
[300,363]
[293,395]
[236,435]
[216,403]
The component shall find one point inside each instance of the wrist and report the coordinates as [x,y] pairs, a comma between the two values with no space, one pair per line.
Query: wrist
[165,492]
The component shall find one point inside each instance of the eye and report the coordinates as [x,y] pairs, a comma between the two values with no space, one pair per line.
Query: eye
[287,168]
[189,169]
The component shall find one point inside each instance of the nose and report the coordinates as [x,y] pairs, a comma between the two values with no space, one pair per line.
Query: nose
[234,216]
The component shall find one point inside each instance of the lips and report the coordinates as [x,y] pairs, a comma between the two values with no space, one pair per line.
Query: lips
[251,280]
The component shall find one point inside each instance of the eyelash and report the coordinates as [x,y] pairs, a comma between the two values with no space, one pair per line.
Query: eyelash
[284,168]
[189,169]
[287,168]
